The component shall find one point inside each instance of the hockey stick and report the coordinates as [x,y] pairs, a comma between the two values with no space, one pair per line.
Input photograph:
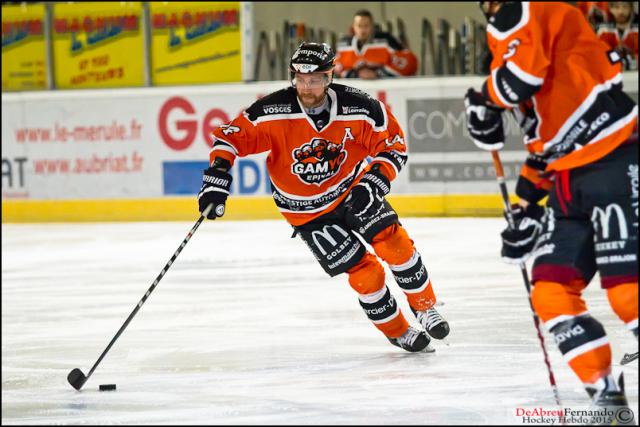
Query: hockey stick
[76,378]
[497,164]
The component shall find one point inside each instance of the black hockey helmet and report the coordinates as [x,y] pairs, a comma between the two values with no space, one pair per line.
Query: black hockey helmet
[312,58]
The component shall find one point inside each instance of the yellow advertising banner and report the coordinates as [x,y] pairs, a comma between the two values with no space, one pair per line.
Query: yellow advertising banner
[98,44]
[195,42]
[24,49]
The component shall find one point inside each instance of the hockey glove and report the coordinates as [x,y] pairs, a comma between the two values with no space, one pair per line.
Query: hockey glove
[367,196]
[215,190]
[518,243]
[484,121]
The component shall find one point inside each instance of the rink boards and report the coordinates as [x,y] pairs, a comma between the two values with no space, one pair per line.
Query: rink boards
[138,154]
[238,208]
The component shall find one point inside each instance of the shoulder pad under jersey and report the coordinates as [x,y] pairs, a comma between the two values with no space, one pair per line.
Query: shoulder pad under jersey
[512,16]
[387,38]
[352,102]
[279,102]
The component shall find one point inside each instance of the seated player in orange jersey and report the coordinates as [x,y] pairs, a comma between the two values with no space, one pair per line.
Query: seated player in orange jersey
[622,33]
[370,55]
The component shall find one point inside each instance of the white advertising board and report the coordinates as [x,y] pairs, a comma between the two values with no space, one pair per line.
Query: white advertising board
[153,142]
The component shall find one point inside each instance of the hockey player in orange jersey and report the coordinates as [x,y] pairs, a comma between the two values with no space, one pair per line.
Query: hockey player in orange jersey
[622,33]
[565,89]
[370,54]
[318,135]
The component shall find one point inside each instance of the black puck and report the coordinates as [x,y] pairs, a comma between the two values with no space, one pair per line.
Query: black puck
[107,387]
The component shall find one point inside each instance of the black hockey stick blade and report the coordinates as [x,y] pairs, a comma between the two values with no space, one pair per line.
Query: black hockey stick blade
[628,358]
[76,378]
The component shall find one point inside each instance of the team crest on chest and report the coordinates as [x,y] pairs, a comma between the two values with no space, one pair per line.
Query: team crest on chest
[318,160]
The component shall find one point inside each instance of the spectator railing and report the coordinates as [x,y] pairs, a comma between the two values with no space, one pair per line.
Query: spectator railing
[449,51]
[269,47]
[402,34]
[427,50]
[442,46]
[445,51]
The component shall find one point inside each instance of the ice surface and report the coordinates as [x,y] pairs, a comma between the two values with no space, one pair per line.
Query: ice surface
[246,328]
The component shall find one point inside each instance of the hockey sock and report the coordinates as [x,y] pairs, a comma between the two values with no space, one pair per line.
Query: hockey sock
[585,347]
[580,338]
[623,299]
[367,278]
[395,247]
[382,309]
[413,278]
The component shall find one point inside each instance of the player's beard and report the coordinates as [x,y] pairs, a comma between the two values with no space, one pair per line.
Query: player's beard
[310,100]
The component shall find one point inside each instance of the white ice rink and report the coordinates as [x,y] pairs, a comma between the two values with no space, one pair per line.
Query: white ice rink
[246,328]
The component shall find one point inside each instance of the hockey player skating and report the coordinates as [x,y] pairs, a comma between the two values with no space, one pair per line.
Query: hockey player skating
[318,135]
[565,89]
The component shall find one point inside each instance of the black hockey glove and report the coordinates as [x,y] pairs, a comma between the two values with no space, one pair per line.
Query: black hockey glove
[367,196]
[518,244]
[484,121]
[215,189]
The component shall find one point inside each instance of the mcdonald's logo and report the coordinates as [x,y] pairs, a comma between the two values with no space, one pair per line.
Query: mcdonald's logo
[601,219]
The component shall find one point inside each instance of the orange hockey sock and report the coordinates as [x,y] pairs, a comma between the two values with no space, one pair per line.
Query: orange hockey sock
[581,338]
[623,299]
[395,247]
[367,278]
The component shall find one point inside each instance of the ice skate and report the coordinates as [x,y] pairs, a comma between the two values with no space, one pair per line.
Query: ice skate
[414,340]
[612,403]
[433,323]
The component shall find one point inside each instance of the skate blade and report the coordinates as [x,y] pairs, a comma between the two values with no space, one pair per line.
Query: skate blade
[429,349]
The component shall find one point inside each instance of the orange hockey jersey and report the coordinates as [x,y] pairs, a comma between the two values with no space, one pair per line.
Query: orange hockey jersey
[312,170]
[563,84]
[382,53]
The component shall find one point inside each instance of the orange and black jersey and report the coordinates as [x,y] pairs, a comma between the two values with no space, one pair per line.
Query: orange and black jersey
[561,82]
[383,53]
[312,170]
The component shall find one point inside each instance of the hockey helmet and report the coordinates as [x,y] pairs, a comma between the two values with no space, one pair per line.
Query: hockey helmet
[312,58]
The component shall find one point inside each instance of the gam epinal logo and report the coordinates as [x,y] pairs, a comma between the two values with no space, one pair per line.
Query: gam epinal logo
[318,160]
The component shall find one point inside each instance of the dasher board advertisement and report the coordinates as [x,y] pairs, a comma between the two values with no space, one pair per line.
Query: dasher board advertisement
[98,45]
[196,42]
[24,49]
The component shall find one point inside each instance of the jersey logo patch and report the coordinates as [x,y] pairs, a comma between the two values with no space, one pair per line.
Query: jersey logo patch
[396,140]
[227,129]
[318,160]
[348,136]
[511,48]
